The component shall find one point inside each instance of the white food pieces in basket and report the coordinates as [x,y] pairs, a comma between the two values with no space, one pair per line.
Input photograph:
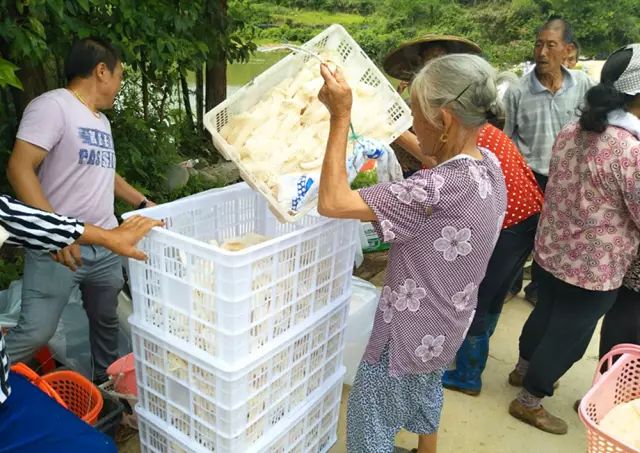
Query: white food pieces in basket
[242,242]
[286,132]
[177,366]
[623,423]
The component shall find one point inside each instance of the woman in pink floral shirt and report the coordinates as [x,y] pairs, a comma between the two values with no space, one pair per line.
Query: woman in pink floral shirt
[443,224]
[587,237]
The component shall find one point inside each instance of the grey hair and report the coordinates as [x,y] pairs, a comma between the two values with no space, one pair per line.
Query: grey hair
[464,84]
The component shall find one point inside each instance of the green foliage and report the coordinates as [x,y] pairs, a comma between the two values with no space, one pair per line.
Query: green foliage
[7,128]
[505,29]
[8,75]
[351,6]
[602,26]
[160,41]
[10,269]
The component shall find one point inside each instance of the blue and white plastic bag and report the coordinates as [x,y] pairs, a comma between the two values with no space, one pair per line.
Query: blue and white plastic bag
[296,190]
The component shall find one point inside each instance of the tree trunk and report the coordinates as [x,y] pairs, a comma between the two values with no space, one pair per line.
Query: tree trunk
[8,111]
[199,97]
[163,102]
[216,79]
[32,78]
[216,76]
[33,82]
[59,69]
[185,98]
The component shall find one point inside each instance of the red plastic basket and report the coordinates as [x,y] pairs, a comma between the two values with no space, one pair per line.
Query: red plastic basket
[35,379]
[619,384]
[80,395]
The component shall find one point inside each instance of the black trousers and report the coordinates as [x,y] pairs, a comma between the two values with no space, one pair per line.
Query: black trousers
[535,269]
[559,329]
[512,249]
[542,180]
[621,324]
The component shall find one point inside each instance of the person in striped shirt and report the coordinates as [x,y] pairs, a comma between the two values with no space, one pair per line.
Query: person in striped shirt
[24,419]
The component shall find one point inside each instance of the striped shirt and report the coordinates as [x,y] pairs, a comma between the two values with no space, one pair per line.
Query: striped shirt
[32,228]
[5,390]
[535,115]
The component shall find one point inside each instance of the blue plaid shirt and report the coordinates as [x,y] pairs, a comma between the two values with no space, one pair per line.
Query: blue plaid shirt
[535,115]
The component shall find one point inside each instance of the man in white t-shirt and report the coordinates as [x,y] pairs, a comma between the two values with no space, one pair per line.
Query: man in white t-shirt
[64,161]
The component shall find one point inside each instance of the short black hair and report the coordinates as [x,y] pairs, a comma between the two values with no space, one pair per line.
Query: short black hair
[576,45]
[86,54]
[557,21]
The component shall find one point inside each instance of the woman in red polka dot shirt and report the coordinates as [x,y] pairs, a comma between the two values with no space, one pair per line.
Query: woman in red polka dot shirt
[514,245]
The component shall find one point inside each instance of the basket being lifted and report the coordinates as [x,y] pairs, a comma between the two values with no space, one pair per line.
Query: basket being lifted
[275,129]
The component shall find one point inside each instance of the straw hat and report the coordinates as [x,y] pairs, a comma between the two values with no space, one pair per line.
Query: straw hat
[407,59]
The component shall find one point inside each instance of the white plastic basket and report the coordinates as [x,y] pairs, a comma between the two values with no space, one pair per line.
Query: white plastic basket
[230,305]
[351,56]
[312,428]
[236,409]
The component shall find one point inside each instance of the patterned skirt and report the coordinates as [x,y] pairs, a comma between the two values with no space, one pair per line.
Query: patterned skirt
[381,405]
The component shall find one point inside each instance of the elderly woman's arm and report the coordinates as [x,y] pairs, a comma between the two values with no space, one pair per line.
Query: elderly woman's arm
[336,199]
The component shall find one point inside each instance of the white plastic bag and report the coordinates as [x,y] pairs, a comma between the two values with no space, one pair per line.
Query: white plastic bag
[70,343]
[362,310]
[10,304]
[299,189]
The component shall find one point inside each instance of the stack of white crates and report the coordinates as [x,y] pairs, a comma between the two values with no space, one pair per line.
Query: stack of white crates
[240,351]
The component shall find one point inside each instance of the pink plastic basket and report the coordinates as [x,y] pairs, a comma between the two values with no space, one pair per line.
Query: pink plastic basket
[619,384]
[123,374]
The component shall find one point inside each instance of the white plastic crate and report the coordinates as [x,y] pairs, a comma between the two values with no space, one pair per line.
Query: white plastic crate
[230,305]
[310,429]
[350,56]
[234,410]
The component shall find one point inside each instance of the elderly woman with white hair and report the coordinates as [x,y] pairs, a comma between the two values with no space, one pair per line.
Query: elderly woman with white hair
[443,224]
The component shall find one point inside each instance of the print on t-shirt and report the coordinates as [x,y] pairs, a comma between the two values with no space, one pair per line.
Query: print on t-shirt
[101,153]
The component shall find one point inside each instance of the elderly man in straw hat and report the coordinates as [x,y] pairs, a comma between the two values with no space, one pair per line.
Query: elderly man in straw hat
[403,63]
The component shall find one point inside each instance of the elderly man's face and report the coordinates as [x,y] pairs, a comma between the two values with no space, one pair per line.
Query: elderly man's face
[550,51]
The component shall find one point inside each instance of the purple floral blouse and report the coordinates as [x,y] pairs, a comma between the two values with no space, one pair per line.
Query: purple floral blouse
[442,224]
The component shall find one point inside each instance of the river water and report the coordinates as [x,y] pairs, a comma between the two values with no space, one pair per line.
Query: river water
[239,74]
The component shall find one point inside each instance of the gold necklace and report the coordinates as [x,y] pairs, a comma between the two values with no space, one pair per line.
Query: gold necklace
[81,99]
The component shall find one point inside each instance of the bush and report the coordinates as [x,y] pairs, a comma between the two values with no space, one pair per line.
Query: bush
[11,264]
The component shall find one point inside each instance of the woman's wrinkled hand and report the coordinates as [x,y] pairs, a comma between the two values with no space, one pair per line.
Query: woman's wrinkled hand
[335,94]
